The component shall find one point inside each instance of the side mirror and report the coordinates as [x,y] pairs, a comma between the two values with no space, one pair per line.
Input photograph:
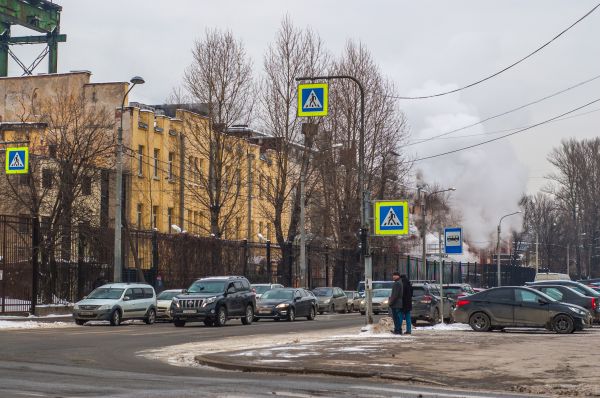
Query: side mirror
[126,298]
[542,301]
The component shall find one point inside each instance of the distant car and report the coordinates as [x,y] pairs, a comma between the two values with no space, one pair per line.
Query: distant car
[163,303]
[260,288]
[331,299]
[517,306]
[380,302]
[580,287]
[117,302]
[551,276]
[286,303]
[426,304]
[456,290]
[375,284]
[353,300]
[569,295]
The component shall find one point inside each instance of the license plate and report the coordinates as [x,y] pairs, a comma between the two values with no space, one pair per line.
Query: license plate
[189,311]
[86,313]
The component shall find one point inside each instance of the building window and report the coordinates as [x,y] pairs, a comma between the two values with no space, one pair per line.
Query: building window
[47,176]
[86,186]
[139,215]
[156,156]
[169,218]
[140,160]
[268,231]
[260,227]
[52,151]
[238,227]
[201,169]
[155,217]
[171,159]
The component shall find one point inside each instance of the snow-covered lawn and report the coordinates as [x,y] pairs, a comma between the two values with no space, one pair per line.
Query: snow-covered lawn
[11,325]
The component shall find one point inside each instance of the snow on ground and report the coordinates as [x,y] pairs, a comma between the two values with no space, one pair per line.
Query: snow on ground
[446,327]
[10,325]
[14,317]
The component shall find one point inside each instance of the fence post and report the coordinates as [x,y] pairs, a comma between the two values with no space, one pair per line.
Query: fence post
[408,267]
[80,256]
[452,272]
[154,256]
[290,265]
[269,261]
[35,250]
[245,254]
[3,264]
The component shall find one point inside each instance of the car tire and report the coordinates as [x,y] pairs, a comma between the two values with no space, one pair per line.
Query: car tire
[178,323]
[320,312]
[312,314]
[150,317]
[247,320]
[436,317]
[352,308]
[115,318]
[346,309]
[221,318]
[291,315]
[209,322]
[480,322]
[563,324]
[80,322]
[255,319]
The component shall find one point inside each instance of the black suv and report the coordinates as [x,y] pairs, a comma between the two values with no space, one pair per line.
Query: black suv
[426,304]
[214,301]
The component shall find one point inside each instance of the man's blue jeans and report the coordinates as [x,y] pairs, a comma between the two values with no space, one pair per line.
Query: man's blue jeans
[397,317]
[406,316]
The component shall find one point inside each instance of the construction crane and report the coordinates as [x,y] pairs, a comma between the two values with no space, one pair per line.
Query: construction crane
[39,15]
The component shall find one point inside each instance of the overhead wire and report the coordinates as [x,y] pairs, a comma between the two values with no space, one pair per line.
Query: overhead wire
[546,44]
[508,135]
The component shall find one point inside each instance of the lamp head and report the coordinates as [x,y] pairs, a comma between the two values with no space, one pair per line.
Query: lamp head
[137,80]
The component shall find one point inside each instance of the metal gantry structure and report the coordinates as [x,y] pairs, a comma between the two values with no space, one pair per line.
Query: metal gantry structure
[39,15]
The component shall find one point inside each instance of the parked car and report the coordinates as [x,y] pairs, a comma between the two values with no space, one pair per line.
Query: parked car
[260,288]
[503,307]
[380,302]
[331,299]
[426,304]
[353,303]
[456,290]
[163,303]
[569,295]
[376,285]
[214,301]
[117,302]
[551,276]
[286,304]
[580,287]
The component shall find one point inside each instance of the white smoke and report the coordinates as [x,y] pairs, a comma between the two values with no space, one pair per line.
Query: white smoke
[489,179]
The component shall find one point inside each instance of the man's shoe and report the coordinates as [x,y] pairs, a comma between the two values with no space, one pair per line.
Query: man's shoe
[407,332]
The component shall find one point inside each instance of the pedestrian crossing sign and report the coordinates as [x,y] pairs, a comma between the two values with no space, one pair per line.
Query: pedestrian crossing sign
[313,99]
[391,217]
[17,160]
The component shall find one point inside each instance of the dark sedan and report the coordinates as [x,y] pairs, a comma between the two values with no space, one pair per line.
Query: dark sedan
[503,307]
[286,304]
[569,295]
[580,287]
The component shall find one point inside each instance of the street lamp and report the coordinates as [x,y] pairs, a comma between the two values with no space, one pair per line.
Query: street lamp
[118,260]
[498,245]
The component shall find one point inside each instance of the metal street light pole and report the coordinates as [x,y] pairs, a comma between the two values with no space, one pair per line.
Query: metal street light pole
[118,259]
[364,196]
[498,246]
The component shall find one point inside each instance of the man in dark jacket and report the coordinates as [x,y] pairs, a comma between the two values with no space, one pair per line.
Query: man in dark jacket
[395,301]
[407,293]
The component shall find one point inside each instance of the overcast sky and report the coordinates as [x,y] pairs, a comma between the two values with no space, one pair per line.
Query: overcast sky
[423,46]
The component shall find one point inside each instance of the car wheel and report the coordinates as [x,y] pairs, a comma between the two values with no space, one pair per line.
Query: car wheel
[563,324]
[320,312]
[221,319]
[255,319]
[312,314]
[80,322]
[208,322]
[150,317]
[480,322]
[436,317]
[352,308]
[291,315]
[115,318]
[178,323]
[346,309]
[247,320]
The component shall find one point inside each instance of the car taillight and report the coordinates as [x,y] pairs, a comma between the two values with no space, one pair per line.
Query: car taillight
[426,300]
[460,303]
[594,303]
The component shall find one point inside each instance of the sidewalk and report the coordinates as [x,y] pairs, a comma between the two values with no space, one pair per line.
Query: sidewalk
[526,361]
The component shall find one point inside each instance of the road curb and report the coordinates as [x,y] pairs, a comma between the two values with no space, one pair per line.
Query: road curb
[226,365]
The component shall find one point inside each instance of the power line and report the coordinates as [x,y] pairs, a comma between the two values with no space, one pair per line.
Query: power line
[504,69]
[508,135]
[506,112]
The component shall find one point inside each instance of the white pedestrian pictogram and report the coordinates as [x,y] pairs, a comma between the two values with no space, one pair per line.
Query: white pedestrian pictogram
[17,162]
[312,102]
[391,220]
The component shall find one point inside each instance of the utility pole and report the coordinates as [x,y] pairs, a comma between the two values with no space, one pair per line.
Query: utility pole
[309,131]
[499,269]
[441,277]
[423,231]
[537,253]
[568,259]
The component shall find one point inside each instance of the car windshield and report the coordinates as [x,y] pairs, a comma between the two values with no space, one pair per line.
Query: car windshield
[260,289]
[382,292]
[350,294]
[418,291]
[207,287]
[323,292]
[105,293]
[167,295]
[453,290]
[278,294]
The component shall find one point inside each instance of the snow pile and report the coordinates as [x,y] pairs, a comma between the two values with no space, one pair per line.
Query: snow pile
[33,325]
[446,327]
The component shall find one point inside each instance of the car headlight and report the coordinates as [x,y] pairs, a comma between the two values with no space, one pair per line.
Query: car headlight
[327,301]
[282,305]
[175,302]
[577,311]
[208,301]
[105,307]
[386,301]
[362,302]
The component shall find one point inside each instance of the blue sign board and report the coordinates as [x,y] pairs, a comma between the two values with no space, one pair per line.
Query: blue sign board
[453,240]
[313,99]
[17,160]
[391,217]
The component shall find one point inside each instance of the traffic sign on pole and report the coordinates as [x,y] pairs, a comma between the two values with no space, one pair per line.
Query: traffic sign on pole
[313,99]
[453,240]
[391,217]
[17,160]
